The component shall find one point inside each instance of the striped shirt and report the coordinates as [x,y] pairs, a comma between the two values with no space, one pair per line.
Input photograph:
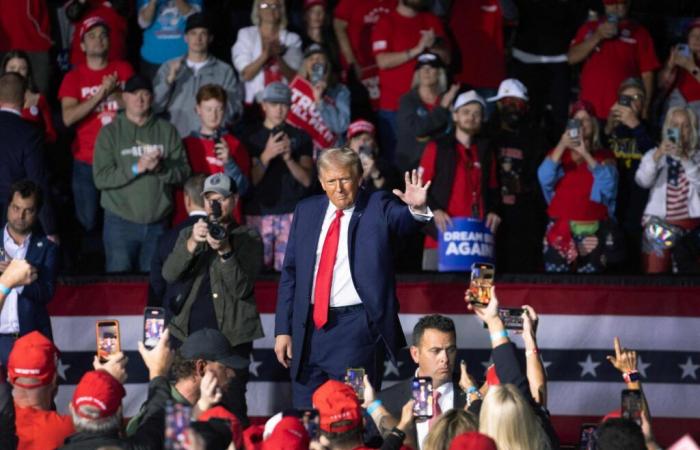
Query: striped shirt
[677,188]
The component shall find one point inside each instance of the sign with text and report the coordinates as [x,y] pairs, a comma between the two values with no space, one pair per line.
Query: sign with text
[467,241]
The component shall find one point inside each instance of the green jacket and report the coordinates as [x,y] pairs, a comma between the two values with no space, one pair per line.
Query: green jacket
[232,283]
[147,197]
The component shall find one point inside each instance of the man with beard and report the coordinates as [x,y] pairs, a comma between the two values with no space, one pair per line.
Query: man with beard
[397,40]
[24,307]
[462,170]
[519,147]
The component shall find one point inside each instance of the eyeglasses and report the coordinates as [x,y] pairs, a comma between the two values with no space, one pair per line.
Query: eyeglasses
[272,6]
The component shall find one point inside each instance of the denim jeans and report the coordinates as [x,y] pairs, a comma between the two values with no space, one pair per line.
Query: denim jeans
[387,134]
[129,246]
[85,195]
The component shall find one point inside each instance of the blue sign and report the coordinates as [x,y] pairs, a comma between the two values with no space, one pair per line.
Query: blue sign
[467,241]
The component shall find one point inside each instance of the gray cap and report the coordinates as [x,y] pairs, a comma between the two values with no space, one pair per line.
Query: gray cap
[211,345]
[276,92]
[219,183]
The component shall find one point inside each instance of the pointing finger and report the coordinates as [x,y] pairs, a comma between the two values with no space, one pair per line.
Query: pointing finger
[618,347]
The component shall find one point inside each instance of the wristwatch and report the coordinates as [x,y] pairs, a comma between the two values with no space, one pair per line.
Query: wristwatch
[400,434]
[631,377]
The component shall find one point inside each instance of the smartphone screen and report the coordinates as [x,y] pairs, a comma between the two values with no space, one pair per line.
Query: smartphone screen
[153,326]
[355,379]
[422,391]
[512,318]
[177,422]
[310,420]
[632,405]
[587,439]
[482,276]
[673,134]
[107,332]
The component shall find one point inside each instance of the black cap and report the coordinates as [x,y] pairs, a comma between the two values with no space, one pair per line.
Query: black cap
[212,345]
[136,83]
[429,59]
[196,20]
[314,48]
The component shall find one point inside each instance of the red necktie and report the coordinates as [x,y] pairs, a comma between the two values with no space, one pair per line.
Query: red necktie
[324,276]
[436,410]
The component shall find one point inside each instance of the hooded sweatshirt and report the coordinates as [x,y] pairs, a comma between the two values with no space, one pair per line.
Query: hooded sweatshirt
[141,198]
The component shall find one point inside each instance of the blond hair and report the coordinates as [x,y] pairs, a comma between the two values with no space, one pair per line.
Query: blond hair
[692,118]
[510,421]
[255,13]
[449,425]
[442,80]
[339,157]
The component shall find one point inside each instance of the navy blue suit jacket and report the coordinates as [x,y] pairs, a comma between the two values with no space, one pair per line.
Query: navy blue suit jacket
[371,266]
[21,156]
[31,304]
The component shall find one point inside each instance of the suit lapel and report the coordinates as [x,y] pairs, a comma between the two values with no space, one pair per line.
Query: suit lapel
[354,221]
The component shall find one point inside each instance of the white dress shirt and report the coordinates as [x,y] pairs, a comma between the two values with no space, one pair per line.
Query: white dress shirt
[446,402]
[9,319]
[343,292]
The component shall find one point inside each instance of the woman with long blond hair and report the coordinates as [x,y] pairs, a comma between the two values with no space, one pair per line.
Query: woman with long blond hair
[510,420]
[671,172]
[449,425]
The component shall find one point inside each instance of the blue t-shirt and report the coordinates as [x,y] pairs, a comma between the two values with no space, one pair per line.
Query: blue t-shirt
[164,39]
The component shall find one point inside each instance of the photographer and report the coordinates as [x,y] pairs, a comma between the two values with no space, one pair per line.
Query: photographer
[377,173]
[215,263]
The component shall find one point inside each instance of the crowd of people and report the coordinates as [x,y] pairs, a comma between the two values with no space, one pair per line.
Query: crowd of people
[329,141]
[557,125]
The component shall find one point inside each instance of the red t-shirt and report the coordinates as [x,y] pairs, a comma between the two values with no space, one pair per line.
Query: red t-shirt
[466,184]
[82,83]
[38,429]
[24,25]
[117,33]
[688,86]
[477,28]
[630,54]
[396,33]
[361,16]
[200,153]
[40,115]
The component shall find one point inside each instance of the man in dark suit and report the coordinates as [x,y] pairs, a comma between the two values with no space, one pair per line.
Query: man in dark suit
[434,349]
[336,305]
[159,292]
[21,149]
[24,307]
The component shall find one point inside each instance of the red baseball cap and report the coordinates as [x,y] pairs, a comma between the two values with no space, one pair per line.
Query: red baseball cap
[219,412]
[33,356]
[360,126]
[90,23]
[338,407]
[695,23]
[288,434]
[311,3]
[472,440]
[582,105]
[101,391]
[613,2]
[252,437]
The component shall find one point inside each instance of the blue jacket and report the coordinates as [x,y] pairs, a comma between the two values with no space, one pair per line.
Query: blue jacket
[371,265]
[31,303]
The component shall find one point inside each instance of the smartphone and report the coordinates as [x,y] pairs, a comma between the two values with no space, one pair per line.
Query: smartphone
[613,19]
[512,318]
[355,379]
[573,126]
[278,129]
[153,326]
[673,134]
[587,439]
[309,418]
[625,100]
[422,391]
[683,50]
[632,405]
[177,422]
[107,333]
[318,72]
[482,276]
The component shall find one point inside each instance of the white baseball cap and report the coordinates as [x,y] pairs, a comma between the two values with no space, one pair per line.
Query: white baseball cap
[510,87]
[468,97]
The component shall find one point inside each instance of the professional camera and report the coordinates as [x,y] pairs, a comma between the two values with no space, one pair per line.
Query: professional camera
[216,229]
